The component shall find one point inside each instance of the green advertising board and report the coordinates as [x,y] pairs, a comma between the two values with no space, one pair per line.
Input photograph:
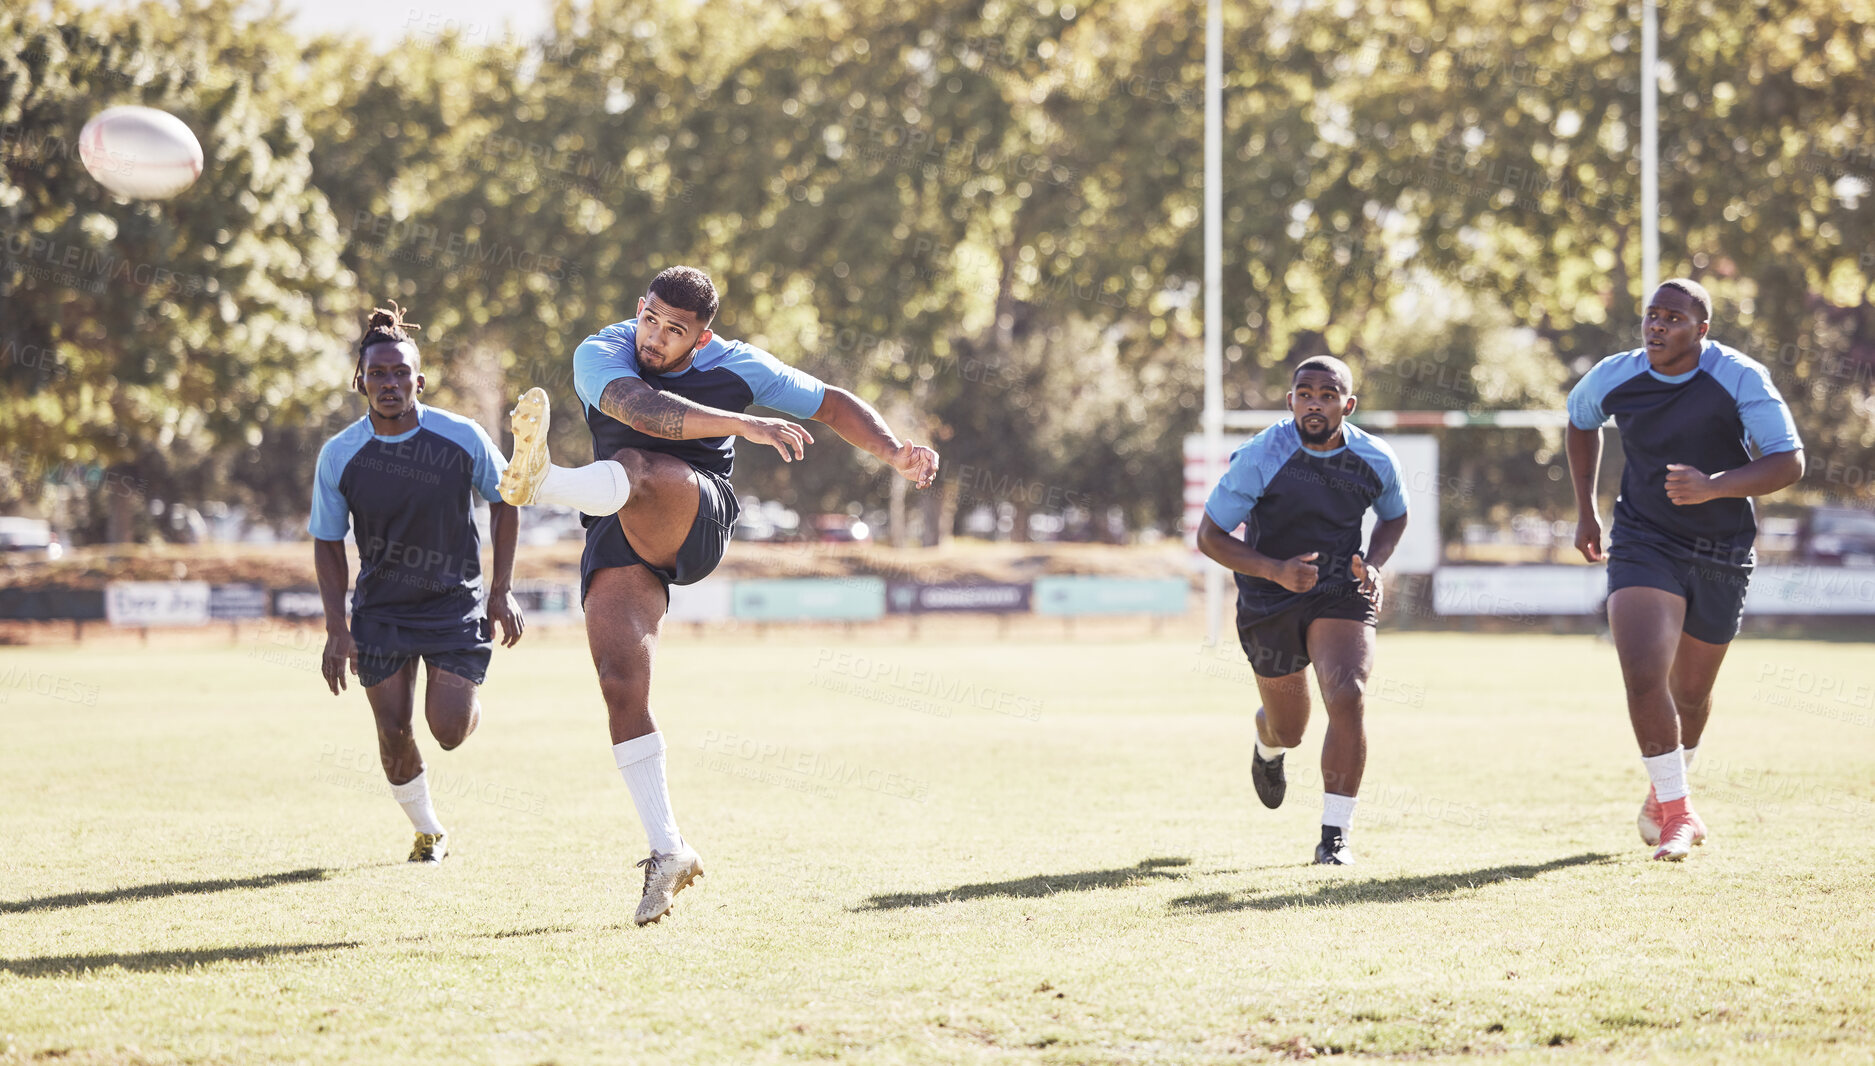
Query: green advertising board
[1111,595]
[833,599]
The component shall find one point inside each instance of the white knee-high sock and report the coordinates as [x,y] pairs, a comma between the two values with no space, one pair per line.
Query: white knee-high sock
[1687,755]
[1668,773]
[598,489]
[1337,810]
[414,797]
[641,762]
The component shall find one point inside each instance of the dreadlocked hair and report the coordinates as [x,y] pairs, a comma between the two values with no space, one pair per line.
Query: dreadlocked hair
[384,326]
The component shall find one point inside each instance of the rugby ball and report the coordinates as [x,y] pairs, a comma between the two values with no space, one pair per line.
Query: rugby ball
[140,152]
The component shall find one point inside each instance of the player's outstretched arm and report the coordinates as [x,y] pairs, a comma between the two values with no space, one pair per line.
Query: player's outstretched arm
[1585,464]
[504,521]
[1297,575]
[334,574]
[860,424]
[1760,477]
[660,414]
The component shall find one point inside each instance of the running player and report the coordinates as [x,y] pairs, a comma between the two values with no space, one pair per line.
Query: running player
[1681,548]
[403,479]
[664,400]
[1306,593]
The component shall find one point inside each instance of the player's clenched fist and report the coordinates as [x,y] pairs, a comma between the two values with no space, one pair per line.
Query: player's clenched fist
[1589,537]
[1298,574]
[916,464]
[1369,577]
[1686,485]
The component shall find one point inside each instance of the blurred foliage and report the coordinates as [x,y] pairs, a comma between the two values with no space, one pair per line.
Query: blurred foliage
[984,216]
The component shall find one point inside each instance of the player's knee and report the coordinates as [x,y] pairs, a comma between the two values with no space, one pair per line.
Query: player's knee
[636,461]
[1346,697]
[621,689]
[1690,700]
[394,734]
[1644,684]
[449,737]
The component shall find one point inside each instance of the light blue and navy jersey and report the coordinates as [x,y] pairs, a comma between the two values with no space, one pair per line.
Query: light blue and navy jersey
[1710,418]
[726,375]
[1297,501]
[409,502]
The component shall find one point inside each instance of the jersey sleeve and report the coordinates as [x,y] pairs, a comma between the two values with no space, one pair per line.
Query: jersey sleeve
[776,384]
[489,463]
[1768,425]
[1391,503]
[602,359]
[331,517]
[1585,400]
[1240,487]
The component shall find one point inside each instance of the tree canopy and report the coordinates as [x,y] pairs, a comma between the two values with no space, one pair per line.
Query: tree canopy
[983,216]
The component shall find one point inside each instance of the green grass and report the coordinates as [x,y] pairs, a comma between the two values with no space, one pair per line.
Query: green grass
[1016,851]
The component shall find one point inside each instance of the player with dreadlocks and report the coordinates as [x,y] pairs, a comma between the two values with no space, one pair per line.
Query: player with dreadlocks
[403,479]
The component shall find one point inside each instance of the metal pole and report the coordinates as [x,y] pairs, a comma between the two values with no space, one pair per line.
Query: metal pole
[1650,152]
[1214,288]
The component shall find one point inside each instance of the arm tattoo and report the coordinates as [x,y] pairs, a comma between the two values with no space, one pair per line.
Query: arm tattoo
[644,409]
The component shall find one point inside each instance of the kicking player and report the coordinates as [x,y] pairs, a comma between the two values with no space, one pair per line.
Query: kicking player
[402,479]
[664,399]
[1306,593]
[1690,411]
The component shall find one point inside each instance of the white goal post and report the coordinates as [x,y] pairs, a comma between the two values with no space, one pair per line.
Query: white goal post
[1419,550]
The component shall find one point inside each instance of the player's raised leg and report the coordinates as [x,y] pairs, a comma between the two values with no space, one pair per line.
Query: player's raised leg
[666,495]
[624,614]
[599,488]
[451,705]
[1280,723]
[1646,624]
[393,705]
[1343,653]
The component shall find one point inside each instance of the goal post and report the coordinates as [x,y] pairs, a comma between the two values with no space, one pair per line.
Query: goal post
[1420,548]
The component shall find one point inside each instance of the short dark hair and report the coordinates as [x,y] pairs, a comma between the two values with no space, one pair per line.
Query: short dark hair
[385,326]
[1343,375]
[1695,290]
[687,289]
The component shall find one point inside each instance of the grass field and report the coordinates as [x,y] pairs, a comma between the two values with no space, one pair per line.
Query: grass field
[960,851]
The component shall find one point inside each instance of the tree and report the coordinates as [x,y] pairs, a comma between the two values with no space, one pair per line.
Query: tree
[171,335]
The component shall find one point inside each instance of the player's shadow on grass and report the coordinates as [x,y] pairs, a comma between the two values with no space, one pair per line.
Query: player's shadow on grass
[161,889]
[1033,887]
[1382,890]
[156,961]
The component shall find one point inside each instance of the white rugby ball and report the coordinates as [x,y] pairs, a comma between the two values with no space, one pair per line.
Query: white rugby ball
[140,152]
